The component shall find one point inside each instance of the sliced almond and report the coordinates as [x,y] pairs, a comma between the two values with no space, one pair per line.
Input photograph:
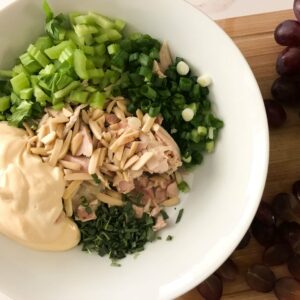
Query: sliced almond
[110,106]
[39,151]
[85,116]
[114,194]
[124,139]
[67,113]
[119,113]
[66,145]
[49,138]
[70,165]
[134,123]
[142,161]
[109,200]
[93,164]
[124,158]
[133,148]
[60,119]
[111,167]
[102,156]
[60,130]
[131,161]
[148,123]
[68,205]
[96,130]
[76,127]
[170,202]
[78,176]
[72,189]
[104,143]
[43,131]
[122,106]
[76,143]
[97,113]
[101,121]
[55,152]
[118,155]
[28,129]
[139,114]
[32,140]
[67,171]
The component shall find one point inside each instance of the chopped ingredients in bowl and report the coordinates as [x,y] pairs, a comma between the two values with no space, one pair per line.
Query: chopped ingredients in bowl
[118,117]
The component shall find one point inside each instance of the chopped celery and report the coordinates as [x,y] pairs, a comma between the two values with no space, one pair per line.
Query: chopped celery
[97,100]
[48,11]
[67,90]
[102,21]
[95,73]
[6,74]
[20,112]
[88,50]
[84,19]
[66,55]
[78,96]
[55,51]
[119,24]
[48,70]
[100,49]
[29,63]
[83,30]
[113,49]
[80,64]
[43,42]
[4,103]
[40,95]
[58,106]
[18,69]
[20,82]
[26,94]
[38,55]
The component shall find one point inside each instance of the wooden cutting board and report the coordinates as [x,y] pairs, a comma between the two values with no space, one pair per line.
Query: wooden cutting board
[254,36]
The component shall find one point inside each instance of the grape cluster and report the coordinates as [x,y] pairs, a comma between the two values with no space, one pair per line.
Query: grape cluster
[285,89]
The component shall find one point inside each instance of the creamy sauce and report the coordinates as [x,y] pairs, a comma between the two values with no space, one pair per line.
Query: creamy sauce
[31,209]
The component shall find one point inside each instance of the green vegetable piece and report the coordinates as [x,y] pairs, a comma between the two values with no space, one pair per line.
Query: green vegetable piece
[20,82]
[22,111]
[55,51]
[97,100]
[80,64]
[102,21]
[29,63]
[38,55]
[96,73]
[185,84]
[40,96]
[26,94]
[48,70]
[164,214]
[6,74]
[47,10]
[210,146]
[85,30]
[78,96]
[113,49]
[58,106]
[100,49]
[4,103]
[66,56]
[119,24]
[148,92]
[183,187]
[18,69]
[67,90]
[195,136]
[89,50]
[145,60]
[169,238]
[202,131]
[43,42]
[179,217]
[96,179]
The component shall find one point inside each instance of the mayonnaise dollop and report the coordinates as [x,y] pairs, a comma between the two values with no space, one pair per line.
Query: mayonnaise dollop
[31,209]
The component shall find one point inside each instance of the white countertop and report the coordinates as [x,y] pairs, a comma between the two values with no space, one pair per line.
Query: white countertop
[222,9]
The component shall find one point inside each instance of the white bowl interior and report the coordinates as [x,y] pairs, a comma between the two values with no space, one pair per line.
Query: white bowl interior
[226,189]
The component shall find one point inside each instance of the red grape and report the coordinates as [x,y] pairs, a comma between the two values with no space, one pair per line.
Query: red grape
[294,266]
[288,61]
[297,9]
[260,278]
[296,190]
[228,270]
[264,234]
[211,288]
[264,214]
[277,254]
[287,289]
[287,33]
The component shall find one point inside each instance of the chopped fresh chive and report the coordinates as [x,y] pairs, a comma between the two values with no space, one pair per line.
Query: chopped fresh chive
[96,179]
[169,238]
[183,186]
[164,214]
[180,213]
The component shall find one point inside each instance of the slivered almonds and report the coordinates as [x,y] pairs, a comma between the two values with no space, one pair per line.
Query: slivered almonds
[96,130]
[142,161]
[66,145]
[60,131]
[76,143]
[67,113]
[55,152]
[124,158]
[111,167]
[119,113]
[39,151]
[78,176]
[49,138]
[148,123]
[97,113]
[109,200]
[85,116]
[59,119]
[119,153]
[124,139]
[133,149]
[122,106]
[131,161]
[114,194]
[102,156]
[93,164]
[72,189]
[76,127]
[28,129]
[70,165]
[68,205]
[110,106]
[171,202]
[139,114]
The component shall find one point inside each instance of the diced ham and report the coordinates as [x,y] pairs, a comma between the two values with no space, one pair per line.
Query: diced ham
[86,147]
[125,186]
[85,216]
[160,195]
[83,161]
[159,224]
[172,190]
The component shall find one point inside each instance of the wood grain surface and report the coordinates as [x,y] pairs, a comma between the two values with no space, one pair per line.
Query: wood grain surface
[254,36]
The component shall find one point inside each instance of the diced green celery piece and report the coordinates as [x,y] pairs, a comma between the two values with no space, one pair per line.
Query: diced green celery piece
[66,55]
[4,103]
[2,117]
[40,95]
[61,81]
[44,85]
[55,51]
[90,89]
[102,38]
[73,16]
[6,74]
[26,94]
[83,30]
[97,100]
[37,54]
[18,69]
[48,70]
[20,82]
[43,42]
[102,21]
[47,10]
[100,49]
[96,73]
[113,49]
[30,64]
[71,35]
[58,106]
[34,79]
[84,19]
[119,24]
[88,50]
[67,90]
[80,64]
[90,63]
[79,96]
[114,35]
[210,146]
[19,113]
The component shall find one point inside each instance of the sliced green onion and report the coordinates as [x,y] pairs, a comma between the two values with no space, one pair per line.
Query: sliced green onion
[202,131]
[164,214]
[119,24]
[4,103]
[145,60]
[96,179]
[154,110]
[146,72]
[20,82]
[195,137]
[113,49]
[185,84]
[183,186]
[210,146]
[80,64]
[148,92]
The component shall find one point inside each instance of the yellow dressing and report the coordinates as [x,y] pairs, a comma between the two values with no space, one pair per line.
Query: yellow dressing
[31,209]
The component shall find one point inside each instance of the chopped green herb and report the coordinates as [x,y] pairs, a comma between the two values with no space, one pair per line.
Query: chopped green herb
[169,238]
[96,179]
[183,187]
[180,213]
[164,214]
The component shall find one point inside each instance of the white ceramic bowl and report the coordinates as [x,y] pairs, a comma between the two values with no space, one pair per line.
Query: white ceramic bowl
[226,189]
